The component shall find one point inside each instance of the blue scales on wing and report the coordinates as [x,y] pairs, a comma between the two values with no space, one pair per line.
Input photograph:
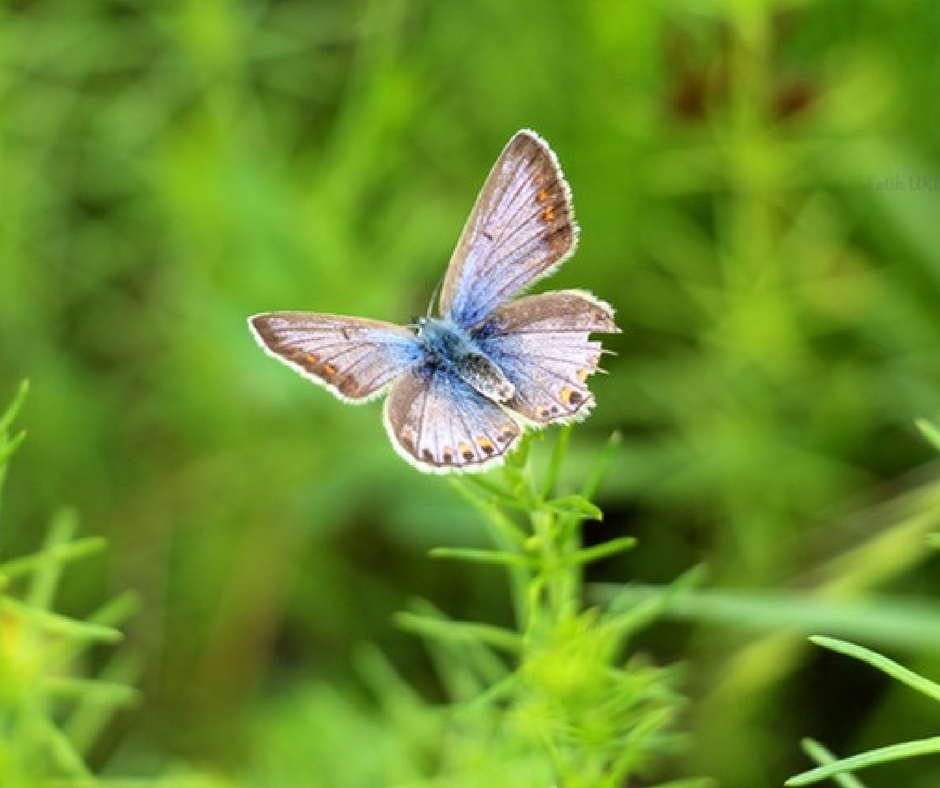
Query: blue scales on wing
[520,229]
[353,357]
[438,422]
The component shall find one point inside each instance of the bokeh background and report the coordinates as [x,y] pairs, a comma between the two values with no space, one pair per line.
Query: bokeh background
[758,185]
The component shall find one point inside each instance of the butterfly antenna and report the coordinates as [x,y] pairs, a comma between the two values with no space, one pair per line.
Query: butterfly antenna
[434,295]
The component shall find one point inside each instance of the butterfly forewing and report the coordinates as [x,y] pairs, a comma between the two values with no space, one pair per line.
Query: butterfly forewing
[439,423]
[353,357]
[542,344]
[521,228]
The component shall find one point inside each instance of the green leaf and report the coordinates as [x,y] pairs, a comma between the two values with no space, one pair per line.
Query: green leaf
[14,408]
[600,467]
[930,431]
[443,629]
[59,553]
[61,625]
[576,505]
[91,690]
[506,528]
[629,612]
[59,746]
[554,463]
[882,663]
[596,553]
[490,490]
[46,579]
[8,446]
[894,752]
[481,556]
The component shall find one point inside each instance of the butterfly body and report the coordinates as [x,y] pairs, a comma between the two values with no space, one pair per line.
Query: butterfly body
[463,386]
[454,350]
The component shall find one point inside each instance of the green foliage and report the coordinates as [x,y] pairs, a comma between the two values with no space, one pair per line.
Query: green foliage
[169,168]
[556,699]
[52,710]
[881,755]
[842,770]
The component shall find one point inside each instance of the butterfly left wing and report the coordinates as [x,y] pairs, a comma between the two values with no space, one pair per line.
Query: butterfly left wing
[354,358]
[438,423]
[542,344]
[521,228]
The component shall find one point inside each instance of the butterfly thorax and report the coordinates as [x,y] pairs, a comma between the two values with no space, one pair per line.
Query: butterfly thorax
[452,347]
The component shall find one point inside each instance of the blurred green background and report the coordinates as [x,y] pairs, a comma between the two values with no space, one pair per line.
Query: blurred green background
[758,185]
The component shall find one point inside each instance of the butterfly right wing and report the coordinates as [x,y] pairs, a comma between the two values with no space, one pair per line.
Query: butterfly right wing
[352,357]
[438,423]
[542,344]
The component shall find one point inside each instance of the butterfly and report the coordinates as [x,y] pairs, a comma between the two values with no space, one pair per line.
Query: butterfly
[463,386]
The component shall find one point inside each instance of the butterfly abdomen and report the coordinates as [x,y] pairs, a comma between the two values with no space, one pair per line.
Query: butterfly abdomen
[482,374]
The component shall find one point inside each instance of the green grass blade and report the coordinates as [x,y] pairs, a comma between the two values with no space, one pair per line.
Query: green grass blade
[822,756]
[907,623]
[882,663]
[893,752]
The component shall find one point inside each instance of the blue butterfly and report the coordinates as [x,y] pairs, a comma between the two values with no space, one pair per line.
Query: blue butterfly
[463,386]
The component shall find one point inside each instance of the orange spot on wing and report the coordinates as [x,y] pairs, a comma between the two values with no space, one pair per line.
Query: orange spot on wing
[548,214]
[486,445]
[311,359]
[571,396]
[466,451]
[329,370]
[542,195]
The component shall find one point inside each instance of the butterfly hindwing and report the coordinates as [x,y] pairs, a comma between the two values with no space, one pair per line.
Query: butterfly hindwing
[439,423]
[353,357]
[520,229]
[542,344]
